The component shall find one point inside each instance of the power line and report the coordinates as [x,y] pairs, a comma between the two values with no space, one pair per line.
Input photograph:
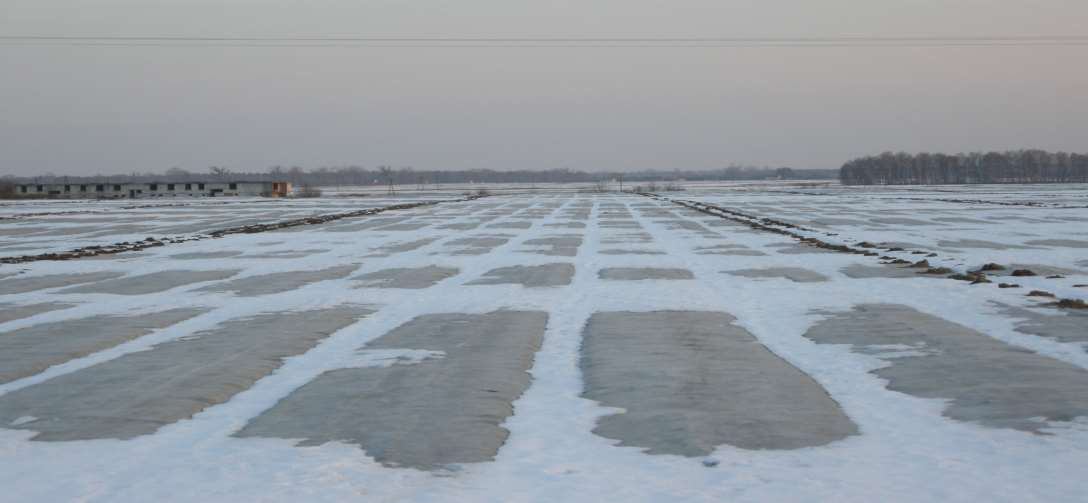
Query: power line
[542,46]
[584,42]
[1082,38]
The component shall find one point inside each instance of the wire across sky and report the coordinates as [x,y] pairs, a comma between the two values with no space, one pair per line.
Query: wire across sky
[558,42]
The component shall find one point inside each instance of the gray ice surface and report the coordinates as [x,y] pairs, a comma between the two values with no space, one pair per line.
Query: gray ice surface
[687,225]
[795,248]
[515,224]
[23,284]
[978,243]
[476,245]
[277,282]
[413,278]
[720,246]
[627,238]
[640,273]
[692,381]
[138,393]
[861,271]
[151,283]
[630,252]
[9,312]
[119,257]
[795,274]
[721,222]
[960,220]
[28,351]
[429,414]
[1066,325]
[984,380]
[1061,243]
[406,226]
[619,224]
[10,230]
[288,253]
[205,255]
[832,221]
[459,226]
[564,246]
[530,276]
[567,225]
[903,221]
[370,223]
[735,252]
[406,246]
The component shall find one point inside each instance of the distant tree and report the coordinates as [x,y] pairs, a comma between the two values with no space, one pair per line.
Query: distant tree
[219,172]
[1017,166]
[1060,166]
[388,176]
[7,188]
[296,175]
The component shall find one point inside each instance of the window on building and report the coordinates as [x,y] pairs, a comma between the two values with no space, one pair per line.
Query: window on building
[67,188]
[188,186]
[200,186]
[234,186]
[40,188]
[117,188]
[83,188]
[22,188]
[99,188]
[169,186]
[154,186]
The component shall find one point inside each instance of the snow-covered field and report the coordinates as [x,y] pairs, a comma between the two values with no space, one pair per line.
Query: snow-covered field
[55,226]
[551,347]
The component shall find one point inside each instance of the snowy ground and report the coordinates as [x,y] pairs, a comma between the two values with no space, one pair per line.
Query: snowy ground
[57,226]
[384,358]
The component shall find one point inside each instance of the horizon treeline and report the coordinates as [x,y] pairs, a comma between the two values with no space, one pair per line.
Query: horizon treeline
[355,175]
[1014,166]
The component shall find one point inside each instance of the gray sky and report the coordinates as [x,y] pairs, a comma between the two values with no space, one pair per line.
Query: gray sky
[85,110]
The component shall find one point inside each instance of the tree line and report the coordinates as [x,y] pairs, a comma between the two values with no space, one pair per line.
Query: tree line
[1014,166]
[406,176]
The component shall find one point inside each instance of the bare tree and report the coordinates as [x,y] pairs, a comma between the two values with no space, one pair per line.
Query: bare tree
[387,175]
[1018,166]
[7,189]
[219,172]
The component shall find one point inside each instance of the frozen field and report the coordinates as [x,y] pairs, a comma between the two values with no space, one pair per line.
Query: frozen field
[35,227]
[694,346]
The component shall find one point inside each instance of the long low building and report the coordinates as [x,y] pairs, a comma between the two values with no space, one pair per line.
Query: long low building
[153,189]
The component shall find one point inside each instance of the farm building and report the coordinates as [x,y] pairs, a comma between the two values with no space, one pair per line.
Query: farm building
[153,189]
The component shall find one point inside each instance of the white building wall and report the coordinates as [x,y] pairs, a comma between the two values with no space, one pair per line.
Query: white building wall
[144,190]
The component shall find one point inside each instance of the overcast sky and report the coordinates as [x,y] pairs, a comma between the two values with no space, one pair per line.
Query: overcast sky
[86,110]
